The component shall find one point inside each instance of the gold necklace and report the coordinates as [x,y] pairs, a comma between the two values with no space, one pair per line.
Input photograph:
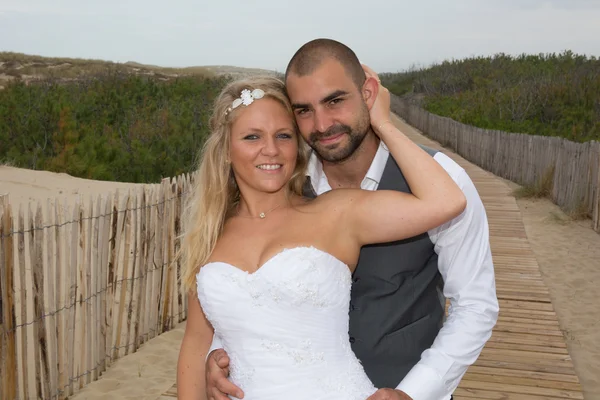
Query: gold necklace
[262,215]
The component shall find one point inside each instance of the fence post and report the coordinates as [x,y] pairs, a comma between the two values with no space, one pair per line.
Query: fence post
[8,356]
[596,200]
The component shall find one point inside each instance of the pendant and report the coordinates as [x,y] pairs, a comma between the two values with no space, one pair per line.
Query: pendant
[262,215]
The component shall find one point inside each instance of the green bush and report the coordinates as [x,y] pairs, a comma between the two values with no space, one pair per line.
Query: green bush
[111,126]
[545,94]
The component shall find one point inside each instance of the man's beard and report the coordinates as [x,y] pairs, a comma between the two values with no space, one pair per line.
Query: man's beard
[340,152]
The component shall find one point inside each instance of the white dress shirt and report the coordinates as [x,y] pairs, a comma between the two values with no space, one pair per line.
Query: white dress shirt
[465,263]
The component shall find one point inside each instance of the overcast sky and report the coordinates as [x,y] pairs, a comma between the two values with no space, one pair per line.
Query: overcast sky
[389,35]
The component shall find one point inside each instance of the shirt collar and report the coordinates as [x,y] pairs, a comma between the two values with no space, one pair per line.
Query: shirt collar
[318,178]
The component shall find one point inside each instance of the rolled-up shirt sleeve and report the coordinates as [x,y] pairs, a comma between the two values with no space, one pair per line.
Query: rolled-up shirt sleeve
[216,344]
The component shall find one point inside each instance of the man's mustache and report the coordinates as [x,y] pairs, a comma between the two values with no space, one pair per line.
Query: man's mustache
[331,131]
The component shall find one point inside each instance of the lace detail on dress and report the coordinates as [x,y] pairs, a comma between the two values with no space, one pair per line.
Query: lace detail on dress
[305,354]
[350,383]
[240,374]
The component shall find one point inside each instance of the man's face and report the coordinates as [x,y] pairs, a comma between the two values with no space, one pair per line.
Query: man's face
[330,111]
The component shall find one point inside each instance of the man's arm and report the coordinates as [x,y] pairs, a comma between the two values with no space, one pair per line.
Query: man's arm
[465,263]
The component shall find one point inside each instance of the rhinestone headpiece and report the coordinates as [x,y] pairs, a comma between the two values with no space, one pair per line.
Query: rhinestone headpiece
[246,98]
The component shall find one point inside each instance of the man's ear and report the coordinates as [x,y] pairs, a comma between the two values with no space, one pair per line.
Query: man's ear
[370,90]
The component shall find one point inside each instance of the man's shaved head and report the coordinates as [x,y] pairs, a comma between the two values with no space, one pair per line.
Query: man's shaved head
[312,54]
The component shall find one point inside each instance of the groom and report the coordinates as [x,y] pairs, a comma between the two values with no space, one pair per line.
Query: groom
[397,325]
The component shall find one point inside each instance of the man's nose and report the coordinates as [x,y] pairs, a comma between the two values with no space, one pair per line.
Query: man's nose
[322,121]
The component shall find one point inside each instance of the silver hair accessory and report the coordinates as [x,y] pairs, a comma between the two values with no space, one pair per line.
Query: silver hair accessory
[246,98]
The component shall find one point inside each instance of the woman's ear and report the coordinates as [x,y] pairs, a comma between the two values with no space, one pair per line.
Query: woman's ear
[370,90]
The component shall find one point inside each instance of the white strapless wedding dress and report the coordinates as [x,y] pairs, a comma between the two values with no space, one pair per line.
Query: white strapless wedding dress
[285,326]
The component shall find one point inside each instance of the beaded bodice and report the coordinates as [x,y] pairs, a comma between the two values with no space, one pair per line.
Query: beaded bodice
[285,326]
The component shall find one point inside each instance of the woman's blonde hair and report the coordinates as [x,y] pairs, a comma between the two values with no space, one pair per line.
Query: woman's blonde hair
[214,190]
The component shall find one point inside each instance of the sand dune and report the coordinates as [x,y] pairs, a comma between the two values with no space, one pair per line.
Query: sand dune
[24,186]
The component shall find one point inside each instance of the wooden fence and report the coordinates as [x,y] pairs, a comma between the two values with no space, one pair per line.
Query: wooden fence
[84,285]
[573,169]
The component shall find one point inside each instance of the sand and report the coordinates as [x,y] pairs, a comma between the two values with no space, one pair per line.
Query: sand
[24,185]
[143,375]
[568,253]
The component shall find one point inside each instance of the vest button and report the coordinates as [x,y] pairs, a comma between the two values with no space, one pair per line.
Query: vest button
[352,340]
[356,279]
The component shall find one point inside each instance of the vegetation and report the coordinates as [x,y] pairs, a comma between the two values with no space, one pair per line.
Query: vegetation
[139,123]
[545,94]
[109,126]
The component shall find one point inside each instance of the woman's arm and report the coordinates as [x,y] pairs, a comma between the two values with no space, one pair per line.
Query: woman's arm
[383,216]
[192,354]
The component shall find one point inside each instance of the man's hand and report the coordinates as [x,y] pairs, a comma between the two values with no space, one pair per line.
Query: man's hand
[389,394]
[217,371]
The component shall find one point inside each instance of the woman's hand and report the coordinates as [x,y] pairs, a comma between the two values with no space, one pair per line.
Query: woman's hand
[380,111]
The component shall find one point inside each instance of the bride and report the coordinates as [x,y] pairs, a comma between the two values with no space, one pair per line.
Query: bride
[270,271]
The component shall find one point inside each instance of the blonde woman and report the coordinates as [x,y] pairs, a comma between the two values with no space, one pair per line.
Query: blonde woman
[269,270]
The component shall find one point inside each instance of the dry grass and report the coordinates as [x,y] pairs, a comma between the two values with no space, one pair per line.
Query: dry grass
[25,67]
[19,67]
[542,189]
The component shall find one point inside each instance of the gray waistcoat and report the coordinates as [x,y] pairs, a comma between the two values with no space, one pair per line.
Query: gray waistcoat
[396,305]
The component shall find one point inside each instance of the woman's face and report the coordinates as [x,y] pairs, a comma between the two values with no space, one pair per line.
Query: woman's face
[264,146]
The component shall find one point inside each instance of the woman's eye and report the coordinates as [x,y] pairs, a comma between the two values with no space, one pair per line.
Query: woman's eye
[250,137]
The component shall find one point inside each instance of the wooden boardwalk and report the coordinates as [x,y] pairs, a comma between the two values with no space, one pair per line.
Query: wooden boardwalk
[526,358]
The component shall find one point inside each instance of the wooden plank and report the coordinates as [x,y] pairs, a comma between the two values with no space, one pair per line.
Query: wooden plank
[508,387]
[21,307]
[78,269]
[521,381]
[119,337]
[89,296]
[62,292]
[96,284]
[128,274]
[538,376]
[533,314]
[8,349]
[114,245]
[524,320]
[526,305]
[104,245]
[41,337]
[136,283]
[71,283]
[50,305]
[527,338]
[493,344]
[154,234]
[144,267]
